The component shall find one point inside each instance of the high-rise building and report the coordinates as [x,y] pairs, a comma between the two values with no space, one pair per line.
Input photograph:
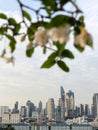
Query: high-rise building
[81,110]
[87,110]
[23,111]
[62,103]
[39,107]
[51,109]
[77,111]
[58,114]
[30,108]
[70,103]
[15,109]
[95,105]
[62,93]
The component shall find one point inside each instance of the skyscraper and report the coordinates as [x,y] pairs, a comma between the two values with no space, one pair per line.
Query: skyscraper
[62,103]
[58,114]
[51,109]
[87,110]
[23,111]
[30,108]
[39,107]
[15,109]
[95,105]
[62,93]
[70,103]
[82,110]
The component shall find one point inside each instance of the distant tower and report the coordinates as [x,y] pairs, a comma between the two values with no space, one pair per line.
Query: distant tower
[30,108]
[15,109]
[70,104]
[23,111]
[40,107]
[95,105]
[62,93]
[51,109]
[62,103]
[58,114]
[87,110]
[82,110]
[16,105]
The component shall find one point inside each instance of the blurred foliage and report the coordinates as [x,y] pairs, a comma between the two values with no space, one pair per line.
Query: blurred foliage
[53,26]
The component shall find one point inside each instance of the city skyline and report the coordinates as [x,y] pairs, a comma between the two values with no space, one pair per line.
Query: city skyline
[63,96]
[27,81]
[66,108]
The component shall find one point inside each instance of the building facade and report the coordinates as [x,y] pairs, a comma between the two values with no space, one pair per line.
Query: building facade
[51,109]
[95,105]
[11,118]
[70,103]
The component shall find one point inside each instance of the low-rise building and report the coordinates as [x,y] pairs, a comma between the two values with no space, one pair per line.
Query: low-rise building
[11,118]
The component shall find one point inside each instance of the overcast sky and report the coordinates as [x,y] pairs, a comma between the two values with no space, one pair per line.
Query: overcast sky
[26,81]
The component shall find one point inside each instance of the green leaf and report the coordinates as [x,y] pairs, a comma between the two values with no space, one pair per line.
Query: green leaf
[29,52]
[63,66]
[81,18]
[61,20]
[30,31]
[11,38]
[48,63]
[12,43]
[3,16]
[49,4]
[63,2]
[3,30]
[60,47]
[12,21]
[67,53]
[26,15]
[12,46]
[16,29]
[53,56]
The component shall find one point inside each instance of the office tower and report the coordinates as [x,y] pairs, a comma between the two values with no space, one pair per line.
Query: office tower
[77,111]
[95,105]
[58,114]
[70,103]
[62,93]
[23,111]
[39,107]
[16,105]
[15,109]
[61,103]
[81,110]
[87,110]
[51,109]
[30,108]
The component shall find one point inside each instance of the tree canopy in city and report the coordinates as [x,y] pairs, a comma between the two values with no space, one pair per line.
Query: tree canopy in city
[49,26]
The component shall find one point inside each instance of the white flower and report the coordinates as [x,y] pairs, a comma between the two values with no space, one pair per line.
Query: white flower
[60,34]
[82,38]
[41,37]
